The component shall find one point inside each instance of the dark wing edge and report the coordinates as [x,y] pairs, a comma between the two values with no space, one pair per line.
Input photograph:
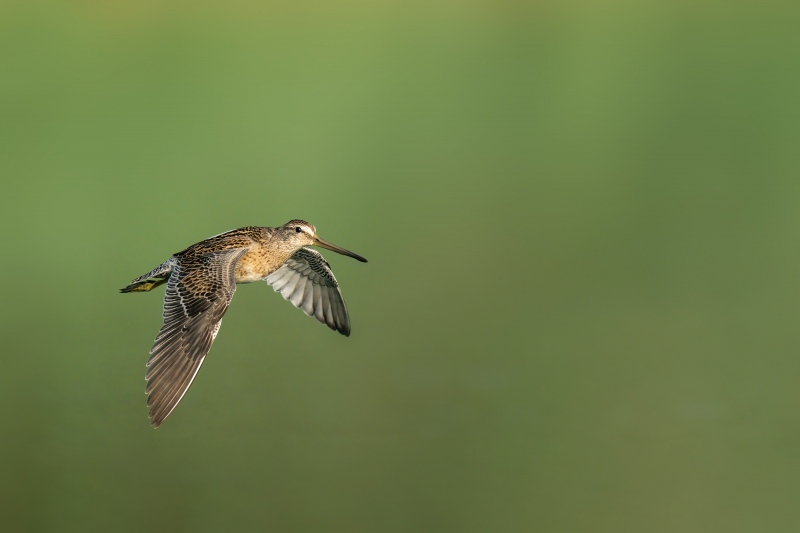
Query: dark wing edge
[306,281]
[198,293]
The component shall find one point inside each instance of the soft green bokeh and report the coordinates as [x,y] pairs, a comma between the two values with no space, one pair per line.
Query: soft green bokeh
[582,303]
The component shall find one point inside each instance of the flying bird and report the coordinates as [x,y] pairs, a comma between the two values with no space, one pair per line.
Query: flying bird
[201,281]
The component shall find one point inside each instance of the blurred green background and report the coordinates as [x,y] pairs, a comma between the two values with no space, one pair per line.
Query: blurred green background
[582,303]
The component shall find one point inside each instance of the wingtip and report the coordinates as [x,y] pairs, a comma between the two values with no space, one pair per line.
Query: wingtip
[155,422]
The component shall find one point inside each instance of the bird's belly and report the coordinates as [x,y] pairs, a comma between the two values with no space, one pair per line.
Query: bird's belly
[249,271]
[248,279]
[256,264]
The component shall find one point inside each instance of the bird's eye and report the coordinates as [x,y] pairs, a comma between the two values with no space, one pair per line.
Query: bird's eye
[297,229]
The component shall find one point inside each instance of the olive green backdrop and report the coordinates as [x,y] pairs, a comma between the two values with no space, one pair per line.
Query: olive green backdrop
[582,303]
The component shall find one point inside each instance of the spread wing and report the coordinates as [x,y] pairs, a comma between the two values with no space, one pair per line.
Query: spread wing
[198,293]
[306,280]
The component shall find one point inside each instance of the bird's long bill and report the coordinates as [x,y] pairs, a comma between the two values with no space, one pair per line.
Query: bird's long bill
[333,247]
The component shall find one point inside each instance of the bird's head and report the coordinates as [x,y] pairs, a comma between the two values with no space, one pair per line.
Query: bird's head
[300,233]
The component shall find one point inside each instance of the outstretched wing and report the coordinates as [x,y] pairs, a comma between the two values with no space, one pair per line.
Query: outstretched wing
[306,280]
[198,293]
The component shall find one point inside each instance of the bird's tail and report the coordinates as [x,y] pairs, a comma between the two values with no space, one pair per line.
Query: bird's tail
[152,279]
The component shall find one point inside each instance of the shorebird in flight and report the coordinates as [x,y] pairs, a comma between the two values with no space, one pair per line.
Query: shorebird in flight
[201,281]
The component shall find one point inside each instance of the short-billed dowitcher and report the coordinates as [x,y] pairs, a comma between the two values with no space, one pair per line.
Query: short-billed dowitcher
[201,281]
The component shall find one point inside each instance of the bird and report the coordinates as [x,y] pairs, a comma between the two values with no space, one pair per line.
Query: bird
[201,281]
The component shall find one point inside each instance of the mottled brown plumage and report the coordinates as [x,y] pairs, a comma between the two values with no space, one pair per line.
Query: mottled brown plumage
[201,281]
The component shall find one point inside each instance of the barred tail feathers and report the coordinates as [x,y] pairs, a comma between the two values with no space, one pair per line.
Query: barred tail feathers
[151,280]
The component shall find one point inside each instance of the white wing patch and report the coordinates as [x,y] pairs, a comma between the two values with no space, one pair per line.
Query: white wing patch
[306,280]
